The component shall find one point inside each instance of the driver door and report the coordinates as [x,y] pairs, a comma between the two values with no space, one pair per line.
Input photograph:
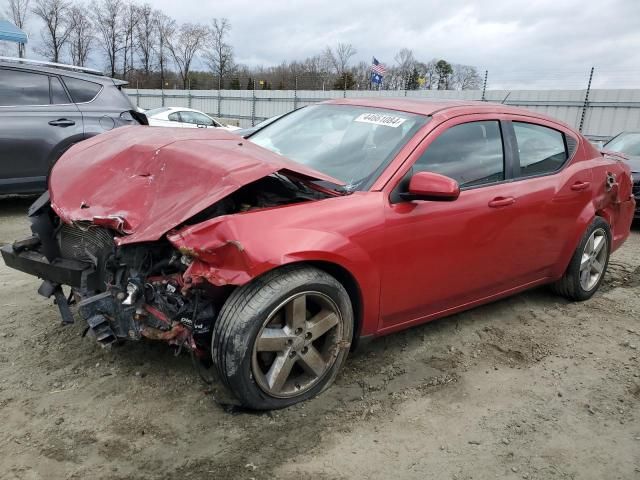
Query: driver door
[443,255]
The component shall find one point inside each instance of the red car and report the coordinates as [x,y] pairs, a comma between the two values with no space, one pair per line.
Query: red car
[269,257]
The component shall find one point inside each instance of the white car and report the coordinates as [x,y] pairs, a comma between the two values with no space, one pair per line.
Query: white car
[183,118]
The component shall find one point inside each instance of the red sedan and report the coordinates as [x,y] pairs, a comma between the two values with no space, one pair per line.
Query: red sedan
[270,257]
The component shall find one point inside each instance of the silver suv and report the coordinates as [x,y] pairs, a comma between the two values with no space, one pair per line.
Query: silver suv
[47,107]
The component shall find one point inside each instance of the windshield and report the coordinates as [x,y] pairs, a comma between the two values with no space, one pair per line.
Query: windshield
[352,144]
[628,143]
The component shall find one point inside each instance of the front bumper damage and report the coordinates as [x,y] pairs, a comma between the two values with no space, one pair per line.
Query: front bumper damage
[57,272]
[24,256]
[122,293]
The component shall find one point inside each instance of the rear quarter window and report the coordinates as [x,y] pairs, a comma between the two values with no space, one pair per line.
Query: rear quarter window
[542,150]
[82,91]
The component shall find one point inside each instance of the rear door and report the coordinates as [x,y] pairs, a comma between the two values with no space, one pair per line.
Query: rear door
[551,189]
[39,122]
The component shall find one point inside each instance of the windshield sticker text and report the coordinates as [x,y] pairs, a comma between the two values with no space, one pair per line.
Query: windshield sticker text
[380,119]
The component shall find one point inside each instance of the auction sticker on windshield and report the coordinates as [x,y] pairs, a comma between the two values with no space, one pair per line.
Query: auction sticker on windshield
[381,119]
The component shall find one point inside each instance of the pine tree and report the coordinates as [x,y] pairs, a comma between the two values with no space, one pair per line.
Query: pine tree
[412,82]
[345,82]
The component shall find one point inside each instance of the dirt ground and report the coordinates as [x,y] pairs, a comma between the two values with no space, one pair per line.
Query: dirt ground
[531,387]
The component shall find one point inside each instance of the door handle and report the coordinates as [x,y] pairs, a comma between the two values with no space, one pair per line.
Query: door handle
[580,186]
[62,122]
[502,202]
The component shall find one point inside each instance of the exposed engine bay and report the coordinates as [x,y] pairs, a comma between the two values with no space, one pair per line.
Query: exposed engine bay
[141,290]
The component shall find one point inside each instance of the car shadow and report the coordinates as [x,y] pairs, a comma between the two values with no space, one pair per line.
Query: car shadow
[16,205]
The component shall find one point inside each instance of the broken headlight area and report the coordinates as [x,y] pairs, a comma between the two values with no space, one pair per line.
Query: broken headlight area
[145,296]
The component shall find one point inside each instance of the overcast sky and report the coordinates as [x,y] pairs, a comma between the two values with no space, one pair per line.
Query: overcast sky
[546,40]
[537,42]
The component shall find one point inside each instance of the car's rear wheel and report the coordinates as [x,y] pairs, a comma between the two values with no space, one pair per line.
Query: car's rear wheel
[282,338]
[588,264]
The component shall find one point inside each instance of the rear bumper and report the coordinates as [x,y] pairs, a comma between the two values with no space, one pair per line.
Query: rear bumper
[59,271]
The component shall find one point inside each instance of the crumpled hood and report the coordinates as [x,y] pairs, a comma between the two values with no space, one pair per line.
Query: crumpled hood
[145,181]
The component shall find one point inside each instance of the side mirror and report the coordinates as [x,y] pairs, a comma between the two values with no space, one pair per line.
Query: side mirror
[432,186]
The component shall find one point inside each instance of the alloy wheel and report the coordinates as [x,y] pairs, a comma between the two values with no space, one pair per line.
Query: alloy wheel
[297,344]
[594,258]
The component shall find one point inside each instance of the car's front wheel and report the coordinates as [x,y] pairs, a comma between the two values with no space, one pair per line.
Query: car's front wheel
[282,338]
[588,264]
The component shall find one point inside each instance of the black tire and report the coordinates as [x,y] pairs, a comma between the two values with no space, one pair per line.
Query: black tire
[246,313]
[569,286]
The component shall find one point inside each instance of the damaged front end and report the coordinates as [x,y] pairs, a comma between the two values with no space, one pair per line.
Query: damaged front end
[151,289]
[126,292]
[110,228]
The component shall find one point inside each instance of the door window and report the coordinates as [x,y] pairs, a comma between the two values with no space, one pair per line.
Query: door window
[174,117]
[542,150]
[23,88]
[58,95]
[470,153]
[195,118]
[202,119]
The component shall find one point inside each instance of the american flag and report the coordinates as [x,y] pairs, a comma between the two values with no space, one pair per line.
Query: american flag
[377,71]
[377,67]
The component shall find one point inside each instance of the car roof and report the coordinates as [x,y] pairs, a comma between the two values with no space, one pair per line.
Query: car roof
[183,109]
[427,106]
[90,77]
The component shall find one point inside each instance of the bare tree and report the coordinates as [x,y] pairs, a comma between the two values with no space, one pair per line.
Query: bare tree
[18,12]
[340,57]
[465,77]
[146,33]
[406,62]
[166,28]
[184,47]
[219,54]
[130,19]
[108,22]
[56,15]
[362,74]
[81,36]
[318,68]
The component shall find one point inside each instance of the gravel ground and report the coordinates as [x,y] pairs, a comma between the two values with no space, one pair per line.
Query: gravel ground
[530,387]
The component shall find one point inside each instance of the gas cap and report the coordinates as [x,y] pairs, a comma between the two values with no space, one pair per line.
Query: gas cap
[107,123]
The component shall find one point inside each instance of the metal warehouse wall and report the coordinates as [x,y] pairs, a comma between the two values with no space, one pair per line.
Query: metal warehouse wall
[606,112]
